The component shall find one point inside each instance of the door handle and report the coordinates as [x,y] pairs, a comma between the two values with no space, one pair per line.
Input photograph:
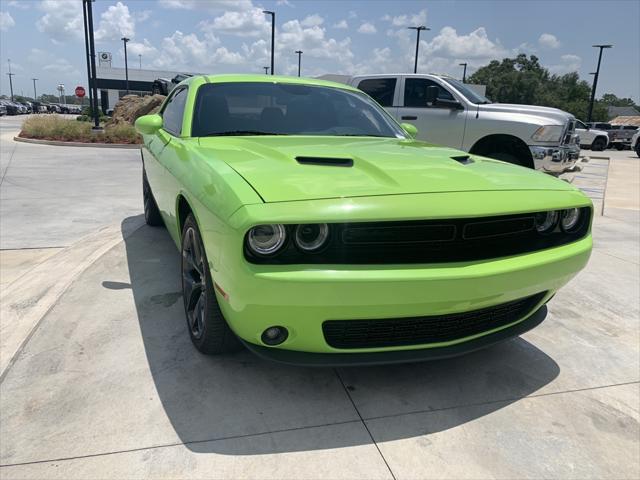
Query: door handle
[409,117]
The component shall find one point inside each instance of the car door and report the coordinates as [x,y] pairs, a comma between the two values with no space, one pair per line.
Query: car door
[383,90]
[441,123]
[168,149]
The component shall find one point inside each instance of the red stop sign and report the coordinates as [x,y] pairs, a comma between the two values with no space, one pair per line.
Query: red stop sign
[80,92]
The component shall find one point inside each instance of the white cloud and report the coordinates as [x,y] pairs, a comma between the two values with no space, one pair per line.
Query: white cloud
[115,22]
[22,5]
[312,20]
[548,40]
[142,16]
[367,28]
[286,3]
[476,44]
[6,21]
[246,23]
[414,20]
[61,21]
[145,48]
[568,63]
[342,24]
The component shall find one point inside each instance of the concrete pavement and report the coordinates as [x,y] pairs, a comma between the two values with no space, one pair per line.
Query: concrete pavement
[108,384]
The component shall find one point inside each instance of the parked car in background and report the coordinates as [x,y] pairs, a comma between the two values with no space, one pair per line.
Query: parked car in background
[314,229]
[620,136]
[449,112]
[591,138]
[12,108]
[635,143]
[163,86]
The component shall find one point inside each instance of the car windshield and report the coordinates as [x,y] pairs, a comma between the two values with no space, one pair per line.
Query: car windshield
[468,92]
[260,108]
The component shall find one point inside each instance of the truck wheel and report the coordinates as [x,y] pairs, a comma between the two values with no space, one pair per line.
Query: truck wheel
[207,326]
[638,148]
[599,144]
[619,146]
[151,212]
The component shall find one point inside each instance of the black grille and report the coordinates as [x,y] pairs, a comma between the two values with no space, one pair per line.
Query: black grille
[395,332]
[428,241]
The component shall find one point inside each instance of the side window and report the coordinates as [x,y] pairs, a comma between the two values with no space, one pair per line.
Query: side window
[581,125]
[174,112]
[415,92]
[380,89]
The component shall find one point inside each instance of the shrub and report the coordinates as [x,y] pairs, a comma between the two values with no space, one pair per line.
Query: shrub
[54,127]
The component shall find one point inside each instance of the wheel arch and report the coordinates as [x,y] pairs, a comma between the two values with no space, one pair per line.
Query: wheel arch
[495,142]
[183,209]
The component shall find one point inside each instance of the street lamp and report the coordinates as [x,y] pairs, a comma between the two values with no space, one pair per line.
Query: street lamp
[273,34]
[418,30]
[595,80]
[11,75]
[299,52]
[464,73]
[266,70]
[35,95]
[125,40]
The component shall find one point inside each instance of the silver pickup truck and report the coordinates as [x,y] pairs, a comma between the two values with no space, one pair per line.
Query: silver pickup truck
[447,112]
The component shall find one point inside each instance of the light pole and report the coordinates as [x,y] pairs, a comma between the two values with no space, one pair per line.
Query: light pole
[418,30]
[140,59]
[273,35]
[92,53]
[35,95]
[464,73]
[125,40]
[86,47]
[299,52]
[266,70]
[11,75]
[595,80]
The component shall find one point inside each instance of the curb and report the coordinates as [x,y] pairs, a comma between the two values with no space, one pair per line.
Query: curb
[77,144]
[29,298]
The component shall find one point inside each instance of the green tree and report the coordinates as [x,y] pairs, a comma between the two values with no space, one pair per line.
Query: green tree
[611,100]
[524,80]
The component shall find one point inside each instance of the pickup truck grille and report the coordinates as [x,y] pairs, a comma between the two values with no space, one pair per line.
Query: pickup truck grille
[396,332]
[427,241]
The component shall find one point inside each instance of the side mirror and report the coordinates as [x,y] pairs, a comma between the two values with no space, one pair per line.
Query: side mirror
[148,124]
[432,95]
[411,129]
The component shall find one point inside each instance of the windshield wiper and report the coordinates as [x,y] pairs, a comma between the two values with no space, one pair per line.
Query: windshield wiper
[241,132]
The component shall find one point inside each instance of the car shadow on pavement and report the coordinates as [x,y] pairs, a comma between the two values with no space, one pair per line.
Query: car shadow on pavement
[240,404]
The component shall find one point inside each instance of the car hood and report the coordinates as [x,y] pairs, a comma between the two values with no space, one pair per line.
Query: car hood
[380,166]
[558,117]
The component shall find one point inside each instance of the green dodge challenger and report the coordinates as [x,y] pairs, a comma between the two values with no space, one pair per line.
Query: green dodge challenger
[315,230]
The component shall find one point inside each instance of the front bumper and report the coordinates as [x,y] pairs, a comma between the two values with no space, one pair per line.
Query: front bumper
[555,159]
[400,356]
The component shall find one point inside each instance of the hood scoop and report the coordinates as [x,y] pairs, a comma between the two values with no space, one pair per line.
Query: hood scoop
[326,161]
[463,159]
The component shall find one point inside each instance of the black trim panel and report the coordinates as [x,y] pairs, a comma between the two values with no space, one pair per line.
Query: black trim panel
[307,359]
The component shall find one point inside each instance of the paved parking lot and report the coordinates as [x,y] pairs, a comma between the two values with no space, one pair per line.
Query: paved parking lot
[106,383]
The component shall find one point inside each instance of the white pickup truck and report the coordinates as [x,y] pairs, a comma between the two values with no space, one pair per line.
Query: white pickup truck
[448,112]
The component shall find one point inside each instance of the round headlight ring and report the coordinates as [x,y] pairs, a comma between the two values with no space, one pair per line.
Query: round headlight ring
[311,237]
[266,239]
[570,219]
[546,221]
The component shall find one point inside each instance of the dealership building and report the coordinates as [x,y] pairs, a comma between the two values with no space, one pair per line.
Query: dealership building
[111,81]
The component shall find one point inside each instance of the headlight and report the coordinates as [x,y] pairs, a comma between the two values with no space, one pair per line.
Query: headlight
[570,219]
[546,221]
[548,133]
[312,237]
[266,239]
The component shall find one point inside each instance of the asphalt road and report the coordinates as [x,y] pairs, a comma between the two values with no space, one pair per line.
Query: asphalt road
[105,382]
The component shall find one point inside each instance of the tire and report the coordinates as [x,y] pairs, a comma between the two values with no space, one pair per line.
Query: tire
[619,146]
[506,157]
[599,144]
[207,327]
[638,148]
[151,212]
[510,150]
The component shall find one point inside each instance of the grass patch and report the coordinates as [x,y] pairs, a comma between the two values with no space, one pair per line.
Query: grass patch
[54,127]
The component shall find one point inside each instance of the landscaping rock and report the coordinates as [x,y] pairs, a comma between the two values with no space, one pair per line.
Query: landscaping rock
[131,107]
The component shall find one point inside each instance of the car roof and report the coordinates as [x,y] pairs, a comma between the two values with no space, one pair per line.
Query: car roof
[261,78]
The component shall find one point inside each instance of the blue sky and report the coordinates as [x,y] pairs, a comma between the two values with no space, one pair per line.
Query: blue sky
[44,39]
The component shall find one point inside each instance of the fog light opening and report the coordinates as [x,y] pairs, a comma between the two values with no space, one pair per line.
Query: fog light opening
[274,335]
